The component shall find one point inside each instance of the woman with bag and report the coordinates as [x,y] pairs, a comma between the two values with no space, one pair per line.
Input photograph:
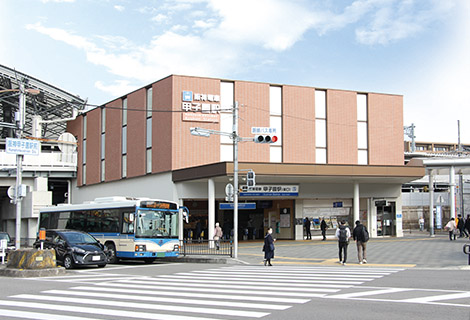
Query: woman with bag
[452,228]
[217,235]
[268,247]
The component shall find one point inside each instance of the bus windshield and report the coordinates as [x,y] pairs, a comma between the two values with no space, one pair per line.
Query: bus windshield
[156,224]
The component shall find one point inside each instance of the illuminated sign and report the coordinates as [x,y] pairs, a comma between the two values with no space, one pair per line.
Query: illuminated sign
[200,107]
[269,191]
[158,205]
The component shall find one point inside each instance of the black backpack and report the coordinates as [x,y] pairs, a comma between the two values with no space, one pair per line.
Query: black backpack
[343,235]
[365,234]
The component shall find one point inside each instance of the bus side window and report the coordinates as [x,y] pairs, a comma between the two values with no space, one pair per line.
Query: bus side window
[127,223]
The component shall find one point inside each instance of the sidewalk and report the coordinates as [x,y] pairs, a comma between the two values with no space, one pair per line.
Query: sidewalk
[415,249]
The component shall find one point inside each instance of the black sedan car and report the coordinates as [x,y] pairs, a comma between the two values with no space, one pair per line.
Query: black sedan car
[74,248]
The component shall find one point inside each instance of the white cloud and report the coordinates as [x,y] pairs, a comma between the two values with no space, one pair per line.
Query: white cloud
[117,89]
[440,96]
[119,8]
[160,18]
[46,1]
[203,24]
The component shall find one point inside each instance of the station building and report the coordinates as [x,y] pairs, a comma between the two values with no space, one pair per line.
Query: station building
[339,154]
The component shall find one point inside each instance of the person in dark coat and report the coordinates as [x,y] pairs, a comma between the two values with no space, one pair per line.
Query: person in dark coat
[323,227]
[361,242]
[467,224]
[268,247]
[307,228]
[461,227]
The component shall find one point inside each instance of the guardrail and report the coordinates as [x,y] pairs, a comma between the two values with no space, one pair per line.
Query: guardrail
[190,247]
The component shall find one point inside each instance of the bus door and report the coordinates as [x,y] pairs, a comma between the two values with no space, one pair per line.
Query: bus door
[126,240]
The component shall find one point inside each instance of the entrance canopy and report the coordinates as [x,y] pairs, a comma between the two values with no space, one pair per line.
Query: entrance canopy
[296,173]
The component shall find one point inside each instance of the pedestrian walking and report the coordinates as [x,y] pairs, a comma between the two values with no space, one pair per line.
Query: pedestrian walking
[323,227]
[198,230]
[343,234]
[467,224]
[452,228]
[461,226]
[217,235]
[307,228]
[268,247]
[421,224]
[361,236]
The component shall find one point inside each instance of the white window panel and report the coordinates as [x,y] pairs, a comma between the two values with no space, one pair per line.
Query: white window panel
[103,173]
[84,174]
[84,127]
[84,152]
[320,104]
[226,125]
[103,120]
[149,102]
[226,152]
[276,122]
[362,157]
[149,133]
[362,135]
[226,96]
[124,140]
[124,166]
[275,154]
[275,100]
[320,156]
[103,145]
[320,133]
[361,107]
[149,160]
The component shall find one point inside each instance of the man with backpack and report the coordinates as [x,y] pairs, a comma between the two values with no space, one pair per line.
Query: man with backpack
[343,234]
[361,235]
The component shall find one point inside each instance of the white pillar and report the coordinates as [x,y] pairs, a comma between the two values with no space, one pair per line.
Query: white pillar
[299,228]
[431,203]
[452,191]
[211,208]
[356,202]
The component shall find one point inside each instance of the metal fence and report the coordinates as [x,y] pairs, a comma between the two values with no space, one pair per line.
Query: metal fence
[190,247]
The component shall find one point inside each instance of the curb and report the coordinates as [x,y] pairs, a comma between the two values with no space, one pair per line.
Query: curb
[30,273]
[203,259]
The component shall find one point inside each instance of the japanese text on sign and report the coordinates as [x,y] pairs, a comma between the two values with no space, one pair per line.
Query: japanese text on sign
[22,146]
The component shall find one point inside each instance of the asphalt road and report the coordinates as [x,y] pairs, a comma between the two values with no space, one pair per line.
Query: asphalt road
[188,291]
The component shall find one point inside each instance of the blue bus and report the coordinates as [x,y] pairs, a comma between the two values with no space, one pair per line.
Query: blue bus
[130,228]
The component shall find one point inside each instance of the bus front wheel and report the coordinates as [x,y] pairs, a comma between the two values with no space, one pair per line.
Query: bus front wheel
[111,248]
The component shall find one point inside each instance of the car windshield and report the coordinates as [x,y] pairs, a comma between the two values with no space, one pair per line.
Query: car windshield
[156,224]
[78,238]
[5,236]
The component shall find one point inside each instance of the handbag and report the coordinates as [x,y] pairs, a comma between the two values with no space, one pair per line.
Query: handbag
[216,238]
[456,231]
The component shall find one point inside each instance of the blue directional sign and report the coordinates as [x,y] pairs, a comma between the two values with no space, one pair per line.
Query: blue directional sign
[241,206]
[23,146]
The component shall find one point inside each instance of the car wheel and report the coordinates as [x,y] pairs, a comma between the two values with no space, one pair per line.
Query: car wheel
[101,265]
[68,263]
[111,253]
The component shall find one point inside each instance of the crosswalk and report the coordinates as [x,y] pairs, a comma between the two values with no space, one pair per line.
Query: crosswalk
[234,292]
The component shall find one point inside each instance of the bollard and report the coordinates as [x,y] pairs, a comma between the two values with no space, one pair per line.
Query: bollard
[42,237]
[466,250]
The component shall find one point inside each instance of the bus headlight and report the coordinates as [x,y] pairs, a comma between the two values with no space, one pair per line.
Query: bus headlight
[140,247]
[176,247]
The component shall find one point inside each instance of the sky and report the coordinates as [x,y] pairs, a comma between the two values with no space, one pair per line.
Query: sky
[103,49]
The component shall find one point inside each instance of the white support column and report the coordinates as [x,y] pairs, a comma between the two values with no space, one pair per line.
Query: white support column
[211,209]
[452,191]
[431,203]
[356,202]
[372,217]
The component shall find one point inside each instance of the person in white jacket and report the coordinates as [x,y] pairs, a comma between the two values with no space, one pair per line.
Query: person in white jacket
[451,226]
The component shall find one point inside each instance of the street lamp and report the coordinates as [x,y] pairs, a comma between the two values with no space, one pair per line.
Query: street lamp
[201,132]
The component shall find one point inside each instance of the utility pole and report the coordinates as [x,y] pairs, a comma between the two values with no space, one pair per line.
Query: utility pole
[235,139]
[19,163]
